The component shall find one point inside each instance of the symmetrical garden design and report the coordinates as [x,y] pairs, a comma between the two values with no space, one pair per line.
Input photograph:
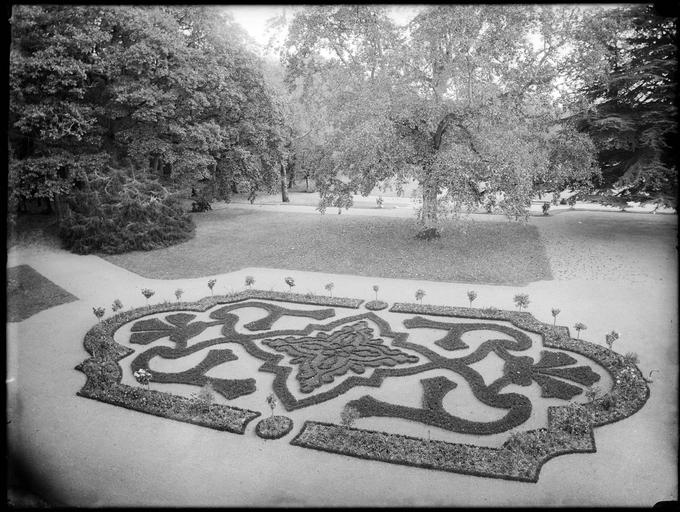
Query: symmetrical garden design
[333,354]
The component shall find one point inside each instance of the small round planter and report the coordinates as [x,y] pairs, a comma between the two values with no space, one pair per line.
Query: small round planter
[274,427]
[376,305]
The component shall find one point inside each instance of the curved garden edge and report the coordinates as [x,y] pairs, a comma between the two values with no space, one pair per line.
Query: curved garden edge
[104,375]
[520,458]
[630,390]
[570,427]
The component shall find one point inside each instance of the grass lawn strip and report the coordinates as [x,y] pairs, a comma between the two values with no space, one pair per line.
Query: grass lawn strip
[104,375]
[570,427]
[484,252]
[29,292]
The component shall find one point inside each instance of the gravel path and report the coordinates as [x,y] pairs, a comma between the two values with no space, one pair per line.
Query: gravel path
[89,454]
[605,245]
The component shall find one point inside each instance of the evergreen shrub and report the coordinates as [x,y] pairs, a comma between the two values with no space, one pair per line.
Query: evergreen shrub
[114,213]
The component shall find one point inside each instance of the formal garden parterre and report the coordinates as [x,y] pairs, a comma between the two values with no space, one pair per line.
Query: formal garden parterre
[335,353]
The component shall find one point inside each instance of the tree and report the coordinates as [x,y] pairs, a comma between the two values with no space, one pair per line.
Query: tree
[633,113]
[460,101]
[139,101]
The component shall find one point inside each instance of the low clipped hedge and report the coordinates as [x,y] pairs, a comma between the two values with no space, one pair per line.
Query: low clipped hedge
[376,305]
[570,427]
[104,374]
[274,427]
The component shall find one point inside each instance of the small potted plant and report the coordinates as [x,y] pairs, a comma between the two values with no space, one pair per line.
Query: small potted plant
[148,293]
[554,312]
[99,313]
[579,327]
[611,338]
[521,300]
[273,427]
[143,376]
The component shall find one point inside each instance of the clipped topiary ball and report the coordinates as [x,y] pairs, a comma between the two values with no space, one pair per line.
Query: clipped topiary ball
[375,305]
[274,427]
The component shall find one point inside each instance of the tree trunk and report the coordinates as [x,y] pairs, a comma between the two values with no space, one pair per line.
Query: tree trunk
[291,178]
[155,164]
[61,207]
[290,169]
[429,214]
[429,218]
[284,190]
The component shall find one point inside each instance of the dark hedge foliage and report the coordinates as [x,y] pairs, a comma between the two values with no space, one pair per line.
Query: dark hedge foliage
[114,214]
[376,305]
[274,427]
[200,205]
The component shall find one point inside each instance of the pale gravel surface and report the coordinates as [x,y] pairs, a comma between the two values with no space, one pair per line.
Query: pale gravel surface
[92,454]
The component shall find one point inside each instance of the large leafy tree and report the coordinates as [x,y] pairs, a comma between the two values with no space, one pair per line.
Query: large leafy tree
[460,100]
[633,111]
[102,94]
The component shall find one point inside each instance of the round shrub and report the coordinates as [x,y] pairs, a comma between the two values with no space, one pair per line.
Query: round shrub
[375,305]
[274,427]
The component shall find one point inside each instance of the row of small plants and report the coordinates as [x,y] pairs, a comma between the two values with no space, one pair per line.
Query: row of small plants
[117,305]
[521,301]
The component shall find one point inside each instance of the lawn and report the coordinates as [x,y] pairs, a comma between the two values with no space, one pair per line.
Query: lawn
[28,293]
[230,239]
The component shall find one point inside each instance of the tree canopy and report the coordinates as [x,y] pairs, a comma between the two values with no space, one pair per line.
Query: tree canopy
[468,100]
[164,93]
[632,114]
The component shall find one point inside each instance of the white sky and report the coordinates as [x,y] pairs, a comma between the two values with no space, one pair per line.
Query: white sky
[253,18]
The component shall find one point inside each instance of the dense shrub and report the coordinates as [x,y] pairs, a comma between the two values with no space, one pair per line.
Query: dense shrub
[114,213]
[201,204]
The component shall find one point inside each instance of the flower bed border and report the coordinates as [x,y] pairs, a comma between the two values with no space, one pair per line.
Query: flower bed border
[104,375]
[570,427]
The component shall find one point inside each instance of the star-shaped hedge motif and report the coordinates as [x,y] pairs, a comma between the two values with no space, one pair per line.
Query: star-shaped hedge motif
[324,356]
[522,371]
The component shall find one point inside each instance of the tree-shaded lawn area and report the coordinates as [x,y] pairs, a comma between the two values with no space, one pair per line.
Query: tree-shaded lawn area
[228,240]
